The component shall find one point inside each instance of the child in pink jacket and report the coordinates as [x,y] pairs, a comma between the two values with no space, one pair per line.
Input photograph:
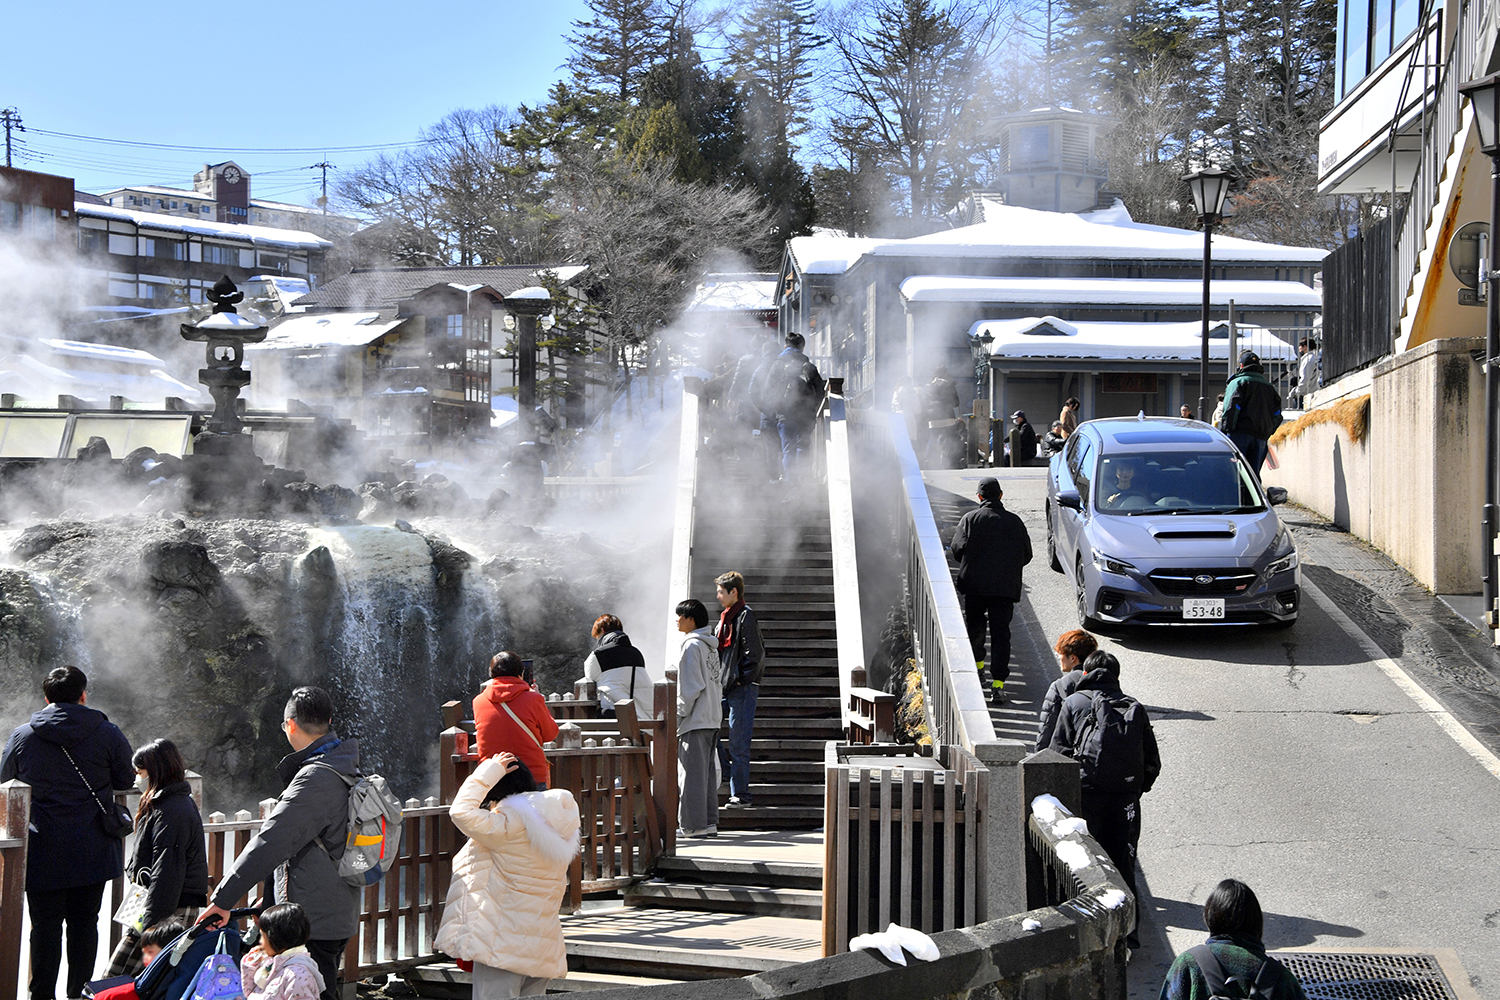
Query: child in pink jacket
[280,967]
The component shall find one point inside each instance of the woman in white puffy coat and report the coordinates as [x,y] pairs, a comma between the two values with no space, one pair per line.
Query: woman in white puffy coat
[509,880]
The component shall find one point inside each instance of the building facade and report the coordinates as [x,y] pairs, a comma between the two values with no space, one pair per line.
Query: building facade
[37,206]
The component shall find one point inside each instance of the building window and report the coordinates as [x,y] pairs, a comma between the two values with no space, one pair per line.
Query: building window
[214,253]
[455,326]
[92,241]
[1369,31]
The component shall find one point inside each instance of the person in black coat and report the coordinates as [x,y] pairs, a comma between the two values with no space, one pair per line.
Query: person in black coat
[169,856]
[1113,814]
[991,546]
[73,758]
[1022,440]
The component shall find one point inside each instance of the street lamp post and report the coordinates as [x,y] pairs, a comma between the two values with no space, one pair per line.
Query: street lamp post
[1484,96]
[1210,186]
[528,306]
[980,346]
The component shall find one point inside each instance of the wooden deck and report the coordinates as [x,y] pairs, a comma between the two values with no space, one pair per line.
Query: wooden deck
[695,944]
[803,847]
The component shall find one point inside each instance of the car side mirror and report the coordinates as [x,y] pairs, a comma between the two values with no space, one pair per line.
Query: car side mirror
[1276,494]
[1071,500]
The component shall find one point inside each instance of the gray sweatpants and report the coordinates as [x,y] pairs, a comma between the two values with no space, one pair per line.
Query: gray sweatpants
[698,808]
[498,984]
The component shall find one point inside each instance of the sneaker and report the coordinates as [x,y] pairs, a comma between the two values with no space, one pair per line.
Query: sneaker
[711,831]
[735,802]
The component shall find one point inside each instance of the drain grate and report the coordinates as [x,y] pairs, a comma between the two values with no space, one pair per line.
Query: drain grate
[1368,976]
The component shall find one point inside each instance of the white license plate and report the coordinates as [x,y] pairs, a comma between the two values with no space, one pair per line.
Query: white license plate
[1202,608]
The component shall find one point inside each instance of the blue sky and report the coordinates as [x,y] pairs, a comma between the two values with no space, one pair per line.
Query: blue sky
[270,74]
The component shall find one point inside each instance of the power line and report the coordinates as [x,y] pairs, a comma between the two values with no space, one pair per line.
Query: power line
[240,149]
[325,166]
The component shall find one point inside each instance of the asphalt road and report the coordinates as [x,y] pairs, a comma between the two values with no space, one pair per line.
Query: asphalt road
[1296,761]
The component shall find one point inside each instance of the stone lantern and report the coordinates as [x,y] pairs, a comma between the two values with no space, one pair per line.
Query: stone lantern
[224,459]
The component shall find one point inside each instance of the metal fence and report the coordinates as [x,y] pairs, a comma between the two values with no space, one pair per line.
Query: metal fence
[1357,302]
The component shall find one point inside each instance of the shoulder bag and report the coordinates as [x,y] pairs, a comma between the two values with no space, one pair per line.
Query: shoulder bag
[116,821]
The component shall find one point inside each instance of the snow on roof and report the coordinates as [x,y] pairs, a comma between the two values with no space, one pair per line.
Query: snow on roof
[284,205]
[734,296]
[530,292]
[29,373]
[258,235]
[158,189]
[1142,292]
[320,330]
[830,254]
[563,274]
[1011,231]
[286,290]
[1050,337]
[103,352]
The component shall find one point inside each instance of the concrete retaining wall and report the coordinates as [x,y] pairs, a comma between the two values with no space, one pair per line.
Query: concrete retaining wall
[1414,488]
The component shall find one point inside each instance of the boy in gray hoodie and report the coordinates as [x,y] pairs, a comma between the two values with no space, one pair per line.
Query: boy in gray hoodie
[700,696]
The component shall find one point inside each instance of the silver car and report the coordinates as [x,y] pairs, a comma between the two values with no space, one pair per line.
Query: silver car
[1159,521]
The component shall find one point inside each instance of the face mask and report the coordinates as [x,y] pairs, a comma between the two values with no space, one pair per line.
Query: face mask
[140,783]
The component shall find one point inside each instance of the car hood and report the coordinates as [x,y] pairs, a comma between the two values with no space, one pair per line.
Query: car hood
[1184,539]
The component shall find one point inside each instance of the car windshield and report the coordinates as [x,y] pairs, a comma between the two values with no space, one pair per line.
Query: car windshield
[1175,482]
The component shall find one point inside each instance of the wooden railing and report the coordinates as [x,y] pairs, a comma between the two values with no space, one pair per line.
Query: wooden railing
[848,617]
[870,715]
[15,807]
[906,841]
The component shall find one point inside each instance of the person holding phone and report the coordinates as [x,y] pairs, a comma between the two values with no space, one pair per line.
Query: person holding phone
[511,715]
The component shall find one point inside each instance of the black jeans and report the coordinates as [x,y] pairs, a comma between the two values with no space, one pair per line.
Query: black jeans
[1115,823]
[79,907]
[327,954]
[998,610]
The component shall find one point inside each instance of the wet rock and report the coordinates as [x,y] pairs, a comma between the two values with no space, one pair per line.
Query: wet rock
[167,467]
[140,464]
[245,553]
[405,526]
[40,538]
[449,562]
[320,562]
[97,450]
[179,565]
[434,479]
[498,500]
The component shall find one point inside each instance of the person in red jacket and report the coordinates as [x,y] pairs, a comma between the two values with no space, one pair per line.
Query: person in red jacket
[510,716]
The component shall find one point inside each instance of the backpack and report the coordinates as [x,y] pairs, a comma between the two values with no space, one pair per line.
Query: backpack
[374,831]
[174,974]
[801,385]
[218,977]
[1111,744]
[1260,987]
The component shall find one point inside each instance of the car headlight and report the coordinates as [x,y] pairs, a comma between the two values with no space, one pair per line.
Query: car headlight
[1109,564]
[1286,562]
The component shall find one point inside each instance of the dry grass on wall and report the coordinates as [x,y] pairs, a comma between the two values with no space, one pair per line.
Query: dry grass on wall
[911,711]
[1351,414]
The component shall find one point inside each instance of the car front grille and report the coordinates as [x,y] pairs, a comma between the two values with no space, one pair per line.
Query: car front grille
[1219,582]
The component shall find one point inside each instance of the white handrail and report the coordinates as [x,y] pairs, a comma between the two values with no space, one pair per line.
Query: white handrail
[681,579]
[848,621]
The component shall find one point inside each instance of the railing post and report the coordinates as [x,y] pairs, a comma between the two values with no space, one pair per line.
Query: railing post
[1006,825]
[848,625]
[15,807]
[448,742]
[666,756]
[681,578]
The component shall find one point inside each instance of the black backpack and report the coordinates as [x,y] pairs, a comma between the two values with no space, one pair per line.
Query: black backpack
[1262,986]
[801,386]
[1111,744]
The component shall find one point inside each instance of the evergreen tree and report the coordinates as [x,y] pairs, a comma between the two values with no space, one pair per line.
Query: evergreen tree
[614,48]
[772,52]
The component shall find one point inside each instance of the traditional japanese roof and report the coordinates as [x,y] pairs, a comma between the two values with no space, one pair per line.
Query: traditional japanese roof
[305,331]
[1144,293]
[1039,337]
[737,293]
[377,287]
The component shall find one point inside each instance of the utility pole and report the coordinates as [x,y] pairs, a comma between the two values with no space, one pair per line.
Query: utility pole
[325,166]
[11,118]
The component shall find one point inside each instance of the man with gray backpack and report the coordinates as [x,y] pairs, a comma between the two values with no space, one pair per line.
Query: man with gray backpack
[1109,734]
[332,832]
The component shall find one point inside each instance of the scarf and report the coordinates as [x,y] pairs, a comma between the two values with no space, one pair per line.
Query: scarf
[263,974]
[726,623]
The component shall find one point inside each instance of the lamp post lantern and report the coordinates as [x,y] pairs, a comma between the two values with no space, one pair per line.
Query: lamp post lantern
[1209,187]
[1484,98]
[980,345]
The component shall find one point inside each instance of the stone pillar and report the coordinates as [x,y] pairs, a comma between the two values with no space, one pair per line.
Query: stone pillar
[1006,826]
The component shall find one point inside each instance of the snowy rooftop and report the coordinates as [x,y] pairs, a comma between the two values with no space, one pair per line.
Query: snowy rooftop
[1050,337]
[103,352]
[158,189]
[1011,231]
[320,330]
[1142,292]
[530,292]
[370,288]
[258,235]
[734,296]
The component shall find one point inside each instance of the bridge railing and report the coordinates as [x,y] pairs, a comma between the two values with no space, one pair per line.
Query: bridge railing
[953,698]
[859,703]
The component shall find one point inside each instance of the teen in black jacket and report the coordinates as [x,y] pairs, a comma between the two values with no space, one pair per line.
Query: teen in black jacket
[169,852]
[991,546]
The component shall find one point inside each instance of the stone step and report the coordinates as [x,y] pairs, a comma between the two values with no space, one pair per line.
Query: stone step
[792,771]
[778,645]
[804,817]
[775,794]
[783,749]
[789,682]
[776,707]
[804,903]
[794,729]
[687,944]
[734,871]
[794,627]
[789,611]
[746,558]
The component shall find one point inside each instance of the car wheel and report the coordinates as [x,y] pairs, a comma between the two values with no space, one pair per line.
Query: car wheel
[1086,621]
[1057,566]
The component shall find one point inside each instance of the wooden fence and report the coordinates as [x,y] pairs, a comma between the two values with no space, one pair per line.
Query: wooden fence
[15,807]
[904,841]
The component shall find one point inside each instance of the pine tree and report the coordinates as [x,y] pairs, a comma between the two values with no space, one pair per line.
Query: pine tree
[614,49]
[772,52]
